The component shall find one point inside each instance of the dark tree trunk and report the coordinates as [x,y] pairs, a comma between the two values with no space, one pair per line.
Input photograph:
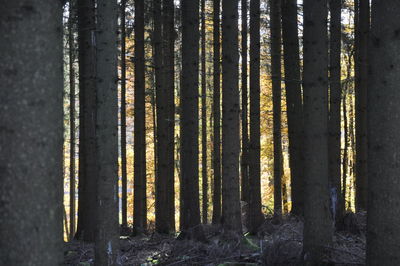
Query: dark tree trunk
[334,112]
[317,223]
[383,227]
[190,207]
[139,202]
[245,127]
[345,162]
[276,98]
[361,105]
[230,118]
[71,41]
[216,218]
[107,233]
[31,133]
[255,215]
[204,176]
[124,177]
[87,115]
[294,103]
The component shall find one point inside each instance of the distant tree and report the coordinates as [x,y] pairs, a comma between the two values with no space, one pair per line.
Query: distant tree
[107,233]
[245,102]
[255,215]
[276,75]
[139,202]
[31,133]
[124,178]
[72,168]
[216,218]
[334,147]
[317,223]
[87,107]
[383,227]
[294,105]
[231,215]
[189,135]
[204,169]
[361,88]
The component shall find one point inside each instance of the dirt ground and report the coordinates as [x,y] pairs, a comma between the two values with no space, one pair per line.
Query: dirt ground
[276,244]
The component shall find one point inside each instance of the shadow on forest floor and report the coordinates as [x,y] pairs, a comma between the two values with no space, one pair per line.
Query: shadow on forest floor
[276,244]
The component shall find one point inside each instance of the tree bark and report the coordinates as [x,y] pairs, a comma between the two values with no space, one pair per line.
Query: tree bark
[294,103]
[317,224]
[255,215]
[31,133]
[383,227]
[139,202]
[230,118]
[361,87]
[334,112]
[87,115]
[216,218]
[276,98]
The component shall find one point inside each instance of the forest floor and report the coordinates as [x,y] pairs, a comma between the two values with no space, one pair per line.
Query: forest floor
[276,244]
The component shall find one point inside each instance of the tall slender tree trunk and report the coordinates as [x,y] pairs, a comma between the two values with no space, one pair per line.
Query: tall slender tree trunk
[71,40]
[334,111]
[276,98]
[31,133]
[345,162]
[216,218]
[361,105]
[317,223]
[124,177]
[230,118]
[245,127]
[383,227]
[168,34]
[190,207]
[294,103]
[255,215]
[87,117]
[204,176]
[107,236]
[139,202]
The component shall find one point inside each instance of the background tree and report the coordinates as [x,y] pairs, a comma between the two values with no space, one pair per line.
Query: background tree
[255,215]
[317,225]
[31,133]
[107,236]
[216,218]
[383,228]
[276,97]
[230,118]
[87,108]
[294,104]
[140,209]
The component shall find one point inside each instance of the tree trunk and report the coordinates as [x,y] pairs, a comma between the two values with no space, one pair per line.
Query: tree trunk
[204,176]
[245,127]
[216,218]
[361,105]
[345,152]
[168,34]
[334,112]
[139,204]
[230,118]
[107,236]
[255,215]
[190,207]
[87,113]
[294,103]
[276,98]
[31,133]
[71,40]
[383,227]
[124,177]
[317,224]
